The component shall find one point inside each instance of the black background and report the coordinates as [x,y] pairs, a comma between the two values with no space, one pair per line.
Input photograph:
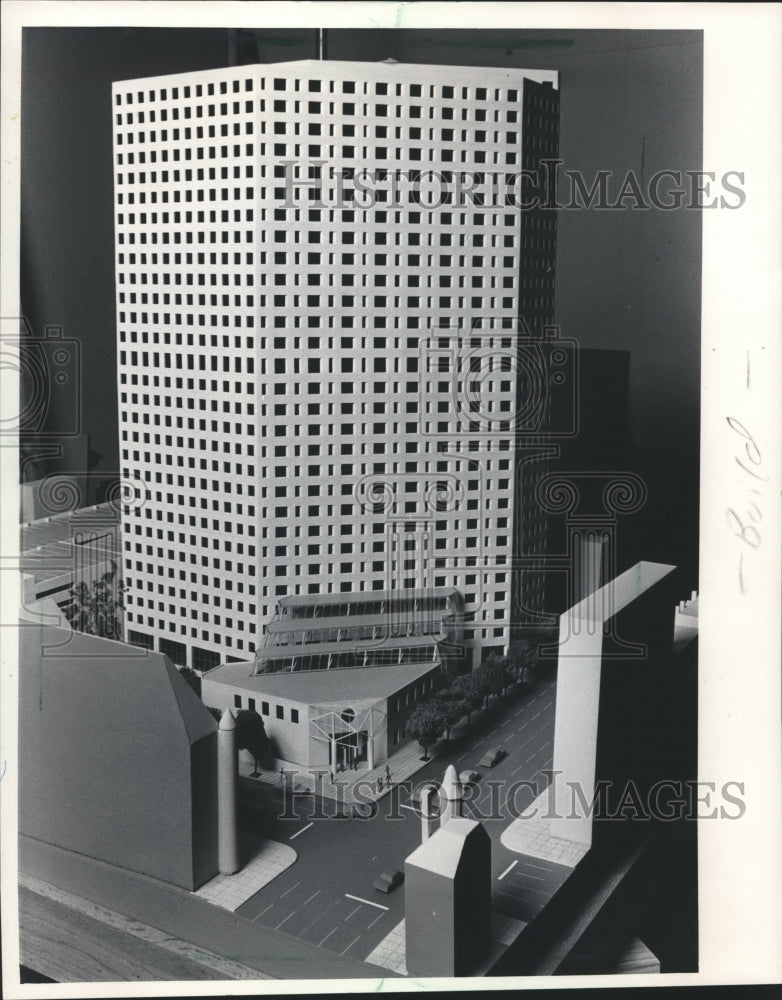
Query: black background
[626,280]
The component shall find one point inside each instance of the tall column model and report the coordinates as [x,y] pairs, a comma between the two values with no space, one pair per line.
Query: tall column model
[227,841]
[371,744]
[428,819]
[450,796]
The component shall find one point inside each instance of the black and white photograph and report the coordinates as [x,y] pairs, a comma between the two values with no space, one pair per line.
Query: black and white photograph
[392,576]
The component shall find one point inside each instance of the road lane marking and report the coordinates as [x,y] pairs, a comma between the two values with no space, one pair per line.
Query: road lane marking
[328,935]
[279,925]
[262,912]
[311,897]
[510,867]
[405,806]
[538,878]
[319,917]
[530,757]
[378,917]
[351,913]
[534,717]
[517,770]
[289,890]
[540,892]
[303,829]
[369,902]
[350,945]
[542,868]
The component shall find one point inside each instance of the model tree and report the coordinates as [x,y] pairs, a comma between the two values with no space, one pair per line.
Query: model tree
[251,735]
[426,724]
[467,690]
[524,653]
[497,674]
[451,704]
[504,671]
[490,679]
[96,608]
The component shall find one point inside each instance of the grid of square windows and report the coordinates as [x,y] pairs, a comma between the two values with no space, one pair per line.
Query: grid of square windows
[275,339]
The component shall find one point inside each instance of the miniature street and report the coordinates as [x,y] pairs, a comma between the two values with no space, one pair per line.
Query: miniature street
[328,898]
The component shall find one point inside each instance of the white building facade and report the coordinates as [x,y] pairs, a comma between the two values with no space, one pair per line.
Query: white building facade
[320,271]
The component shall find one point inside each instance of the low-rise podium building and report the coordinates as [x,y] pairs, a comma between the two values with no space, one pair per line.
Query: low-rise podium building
[338,675]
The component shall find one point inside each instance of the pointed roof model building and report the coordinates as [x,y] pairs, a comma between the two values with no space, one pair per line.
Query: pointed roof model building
[117,756]
[448,900]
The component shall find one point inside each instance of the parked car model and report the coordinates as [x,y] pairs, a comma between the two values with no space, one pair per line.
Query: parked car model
[415,797]
[469,777]
[492,757]
[388,881]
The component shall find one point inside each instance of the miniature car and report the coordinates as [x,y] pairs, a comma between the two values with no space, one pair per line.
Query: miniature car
[388,881]
[491,757]
[415,797]
[469,777]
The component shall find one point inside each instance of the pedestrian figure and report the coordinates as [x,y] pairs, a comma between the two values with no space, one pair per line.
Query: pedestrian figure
[331,777]
[282,774]
[388,773]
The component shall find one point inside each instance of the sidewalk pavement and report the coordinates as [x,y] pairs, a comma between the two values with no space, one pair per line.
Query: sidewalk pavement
[390,953]
[269,859]
[402,765]
[531,835]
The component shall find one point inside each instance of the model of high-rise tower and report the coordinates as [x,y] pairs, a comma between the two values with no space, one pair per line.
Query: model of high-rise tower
[321,268]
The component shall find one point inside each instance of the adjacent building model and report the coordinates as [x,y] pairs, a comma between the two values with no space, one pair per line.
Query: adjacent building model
[337,676]
[118,757]
[323,382]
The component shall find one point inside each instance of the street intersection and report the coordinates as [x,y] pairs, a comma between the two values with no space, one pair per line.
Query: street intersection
[327,897]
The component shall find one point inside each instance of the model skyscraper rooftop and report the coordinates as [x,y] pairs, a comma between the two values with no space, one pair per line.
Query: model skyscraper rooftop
[318,385]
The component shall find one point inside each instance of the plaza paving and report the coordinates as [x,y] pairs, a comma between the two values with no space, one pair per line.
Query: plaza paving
[531,835]
[269,859]
[390,953]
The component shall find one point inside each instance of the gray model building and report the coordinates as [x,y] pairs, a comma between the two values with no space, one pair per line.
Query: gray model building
[118,757]
[448,900]
[610,644]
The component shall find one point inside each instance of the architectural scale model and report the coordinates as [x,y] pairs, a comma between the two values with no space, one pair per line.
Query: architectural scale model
[337,370]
